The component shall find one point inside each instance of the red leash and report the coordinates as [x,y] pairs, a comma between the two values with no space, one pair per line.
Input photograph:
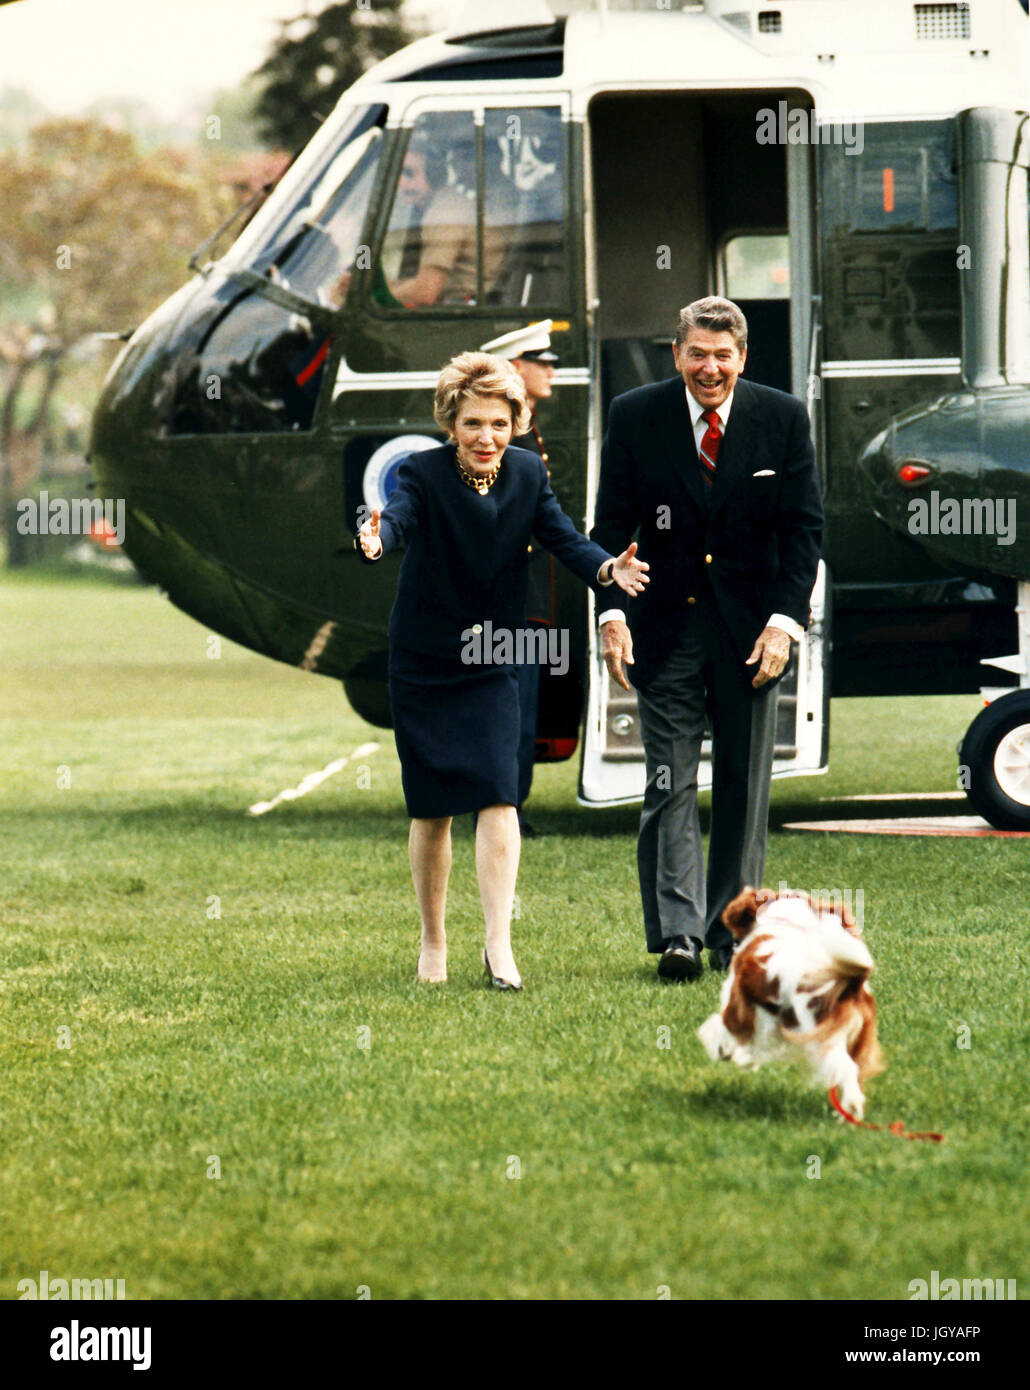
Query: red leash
[897,1128]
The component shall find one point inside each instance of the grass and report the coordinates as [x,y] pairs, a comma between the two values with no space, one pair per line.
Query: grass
[252,1098]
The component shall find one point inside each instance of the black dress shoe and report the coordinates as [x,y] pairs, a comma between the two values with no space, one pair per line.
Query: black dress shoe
[719,957]
[681,959]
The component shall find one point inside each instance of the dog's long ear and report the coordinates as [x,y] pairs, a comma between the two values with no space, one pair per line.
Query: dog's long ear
[739,915]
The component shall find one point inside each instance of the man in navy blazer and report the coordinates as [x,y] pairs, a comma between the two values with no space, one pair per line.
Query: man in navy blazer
[717,478]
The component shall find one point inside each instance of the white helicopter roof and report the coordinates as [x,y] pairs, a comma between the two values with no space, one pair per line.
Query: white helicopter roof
[868,60]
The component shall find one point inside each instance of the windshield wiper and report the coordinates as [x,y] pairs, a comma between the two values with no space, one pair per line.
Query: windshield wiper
[262,193]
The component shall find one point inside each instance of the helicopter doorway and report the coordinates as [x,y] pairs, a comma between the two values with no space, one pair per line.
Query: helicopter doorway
[688,200]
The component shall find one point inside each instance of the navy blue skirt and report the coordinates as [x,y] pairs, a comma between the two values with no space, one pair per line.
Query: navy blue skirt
[457,733]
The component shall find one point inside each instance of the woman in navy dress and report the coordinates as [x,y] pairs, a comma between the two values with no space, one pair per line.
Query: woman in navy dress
[466,513]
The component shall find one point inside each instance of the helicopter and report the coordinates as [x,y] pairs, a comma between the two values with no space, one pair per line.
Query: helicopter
[854,177]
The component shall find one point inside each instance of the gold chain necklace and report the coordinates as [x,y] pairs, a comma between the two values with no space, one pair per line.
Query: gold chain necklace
[482,482]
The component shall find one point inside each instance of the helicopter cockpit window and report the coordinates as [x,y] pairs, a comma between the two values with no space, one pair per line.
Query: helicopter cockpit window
[899,179]
[525,203]
[321,241]
[429,253]
[454,238]
[307,234]
[889,228]
[255,368]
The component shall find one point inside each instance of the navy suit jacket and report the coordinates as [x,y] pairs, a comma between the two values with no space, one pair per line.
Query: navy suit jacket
[467,555]
[755,538]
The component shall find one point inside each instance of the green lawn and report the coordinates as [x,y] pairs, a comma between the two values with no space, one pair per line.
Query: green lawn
[447,1142]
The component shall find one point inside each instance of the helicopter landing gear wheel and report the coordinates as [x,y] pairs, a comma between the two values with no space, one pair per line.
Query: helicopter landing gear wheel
[995,758]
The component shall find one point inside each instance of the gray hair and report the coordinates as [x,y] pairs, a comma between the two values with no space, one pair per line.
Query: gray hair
[716,316]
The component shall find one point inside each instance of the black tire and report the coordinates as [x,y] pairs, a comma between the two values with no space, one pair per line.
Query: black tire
[1005,807]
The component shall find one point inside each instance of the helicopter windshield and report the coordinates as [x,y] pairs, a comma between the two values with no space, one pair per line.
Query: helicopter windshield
[247,364]
[307,233]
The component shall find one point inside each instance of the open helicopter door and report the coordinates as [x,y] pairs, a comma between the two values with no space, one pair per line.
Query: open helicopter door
[612,766]
[624,353]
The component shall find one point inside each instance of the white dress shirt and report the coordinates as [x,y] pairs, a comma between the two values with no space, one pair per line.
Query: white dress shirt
[780,620]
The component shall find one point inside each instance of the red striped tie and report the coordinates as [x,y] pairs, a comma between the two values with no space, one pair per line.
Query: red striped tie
[709,451]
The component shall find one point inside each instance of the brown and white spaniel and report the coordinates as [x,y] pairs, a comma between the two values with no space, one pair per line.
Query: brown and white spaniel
[797,981]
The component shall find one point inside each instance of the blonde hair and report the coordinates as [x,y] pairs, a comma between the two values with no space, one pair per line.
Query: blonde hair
[479,374]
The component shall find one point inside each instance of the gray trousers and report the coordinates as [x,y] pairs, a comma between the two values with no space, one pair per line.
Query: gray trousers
[702,672]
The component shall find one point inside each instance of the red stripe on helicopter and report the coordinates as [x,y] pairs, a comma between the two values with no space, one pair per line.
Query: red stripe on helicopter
[309,371]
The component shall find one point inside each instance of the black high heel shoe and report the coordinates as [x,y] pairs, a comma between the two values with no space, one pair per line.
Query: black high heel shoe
[498,981]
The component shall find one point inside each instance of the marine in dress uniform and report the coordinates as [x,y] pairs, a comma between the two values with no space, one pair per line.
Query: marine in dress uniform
[530,353]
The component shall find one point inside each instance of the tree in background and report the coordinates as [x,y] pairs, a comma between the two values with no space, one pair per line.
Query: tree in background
[315,59]
[235,109]
[96,231]
[94,235]
[19,112]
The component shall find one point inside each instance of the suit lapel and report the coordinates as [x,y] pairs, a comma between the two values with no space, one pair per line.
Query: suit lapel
[676,438]
[736,447]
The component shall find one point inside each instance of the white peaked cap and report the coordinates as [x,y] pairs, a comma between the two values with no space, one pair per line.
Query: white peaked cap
[535,338]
